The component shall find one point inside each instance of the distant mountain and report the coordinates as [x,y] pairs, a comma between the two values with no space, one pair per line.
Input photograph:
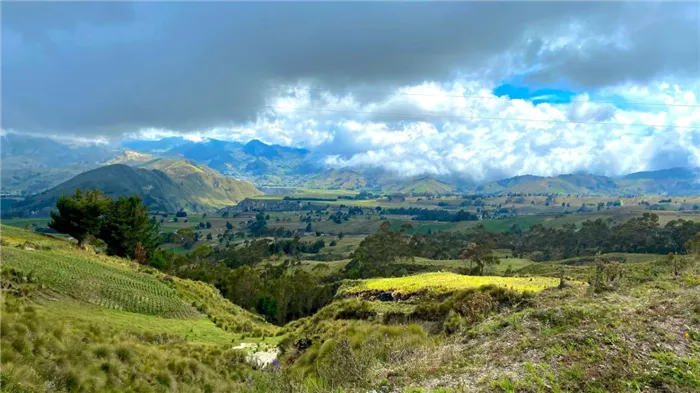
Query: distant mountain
[375,180]
[672,182]
[255,161]
[164,185]
[33,164]
[563,184]
[208,187]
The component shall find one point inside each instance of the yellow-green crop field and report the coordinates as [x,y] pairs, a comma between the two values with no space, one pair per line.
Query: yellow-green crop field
[444,282]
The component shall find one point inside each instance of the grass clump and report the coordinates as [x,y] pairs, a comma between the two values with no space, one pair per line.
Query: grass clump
[46,353]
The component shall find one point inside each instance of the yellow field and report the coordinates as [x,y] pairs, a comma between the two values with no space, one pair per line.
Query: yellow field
[444,282]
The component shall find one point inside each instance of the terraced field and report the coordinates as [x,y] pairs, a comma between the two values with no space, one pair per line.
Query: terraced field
[443,283]
[120,293]
[106,285]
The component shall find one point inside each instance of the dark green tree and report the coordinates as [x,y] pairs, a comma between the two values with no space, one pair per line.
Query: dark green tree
[258,226]
[80,215]
[126,224]
[376,253]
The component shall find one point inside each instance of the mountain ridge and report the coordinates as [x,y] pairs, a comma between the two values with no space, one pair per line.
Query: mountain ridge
[164,185]
[33,164]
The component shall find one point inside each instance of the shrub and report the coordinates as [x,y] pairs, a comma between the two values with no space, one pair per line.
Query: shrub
[452,323]
[607,277]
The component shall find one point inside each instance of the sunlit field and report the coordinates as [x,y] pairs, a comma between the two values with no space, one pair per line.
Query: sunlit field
[443,282]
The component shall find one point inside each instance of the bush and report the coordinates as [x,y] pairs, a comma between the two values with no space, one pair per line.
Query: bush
[607,277]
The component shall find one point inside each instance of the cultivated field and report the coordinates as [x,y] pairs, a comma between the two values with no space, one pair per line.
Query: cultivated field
[443,282]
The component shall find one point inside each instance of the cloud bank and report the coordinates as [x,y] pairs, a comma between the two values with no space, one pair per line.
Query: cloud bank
[370,84]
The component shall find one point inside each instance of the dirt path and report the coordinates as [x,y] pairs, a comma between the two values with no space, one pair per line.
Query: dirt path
[259,358]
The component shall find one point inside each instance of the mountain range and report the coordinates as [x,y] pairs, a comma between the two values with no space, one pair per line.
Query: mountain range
[164,185]
[31,165]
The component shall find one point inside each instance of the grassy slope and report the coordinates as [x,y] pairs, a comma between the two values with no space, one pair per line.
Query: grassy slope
[76,321]
[642,336]
[209,188]
[123,290]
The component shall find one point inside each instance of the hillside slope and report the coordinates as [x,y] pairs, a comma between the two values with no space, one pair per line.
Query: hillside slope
[114,325]
[374,180]
[118,284]
[179,185]
[209,187]
[638,332]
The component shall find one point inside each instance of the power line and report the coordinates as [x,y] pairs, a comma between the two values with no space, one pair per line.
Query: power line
[483,118]
[470,96]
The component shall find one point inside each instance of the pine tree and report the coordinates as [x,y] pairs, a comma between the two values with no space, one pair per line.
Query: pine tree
[79,215]
[126,224]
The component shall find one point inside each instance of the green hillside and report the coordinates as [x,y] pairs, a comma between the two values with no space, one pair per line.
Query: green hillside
[207,186]
[374,180]
[77,321]
[118,284]
[164,185]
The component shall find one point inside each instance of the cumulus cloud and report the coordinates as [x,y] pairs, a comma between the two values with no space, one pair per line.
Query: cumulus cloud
[483,138]
[406,87]
[115,68]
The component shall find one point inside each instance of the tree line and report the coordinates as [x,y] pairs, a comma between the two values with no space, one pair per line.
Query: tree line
[423,214]
[637,235]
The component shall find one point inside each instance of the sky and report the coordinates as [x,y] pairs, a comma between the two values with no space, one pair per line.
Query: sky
[479,90]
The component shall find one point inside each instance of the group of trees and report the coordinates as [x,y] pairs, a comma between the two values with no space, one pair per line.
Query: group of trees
[270,290]
[422,214]
[123,224]
[638,235]
[378,254]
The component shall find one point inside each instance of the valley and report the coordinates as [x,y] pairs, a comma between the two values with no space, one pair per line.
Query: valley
[344,291]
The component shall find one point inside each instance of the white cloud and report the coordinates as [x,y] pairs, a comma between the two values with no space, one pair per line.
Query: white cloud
[424,129]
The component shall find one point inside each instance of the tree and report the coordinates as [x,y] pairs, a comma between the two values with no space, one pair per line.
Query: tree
[80,215]
[184,236]
[692,246]
[258,226]
[209,236]
[376,253]
[181,213]
[229,226]
[208,224]
[126,224]
[482,256]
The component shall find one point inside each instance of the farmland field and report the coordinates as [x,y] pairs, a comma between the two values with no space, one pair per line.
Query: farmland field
[443,282]
[199,329]
[107,285]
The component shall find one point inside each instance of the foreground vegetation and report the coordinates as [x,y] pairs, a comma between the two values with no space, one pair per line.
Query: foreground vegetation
[399,310]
